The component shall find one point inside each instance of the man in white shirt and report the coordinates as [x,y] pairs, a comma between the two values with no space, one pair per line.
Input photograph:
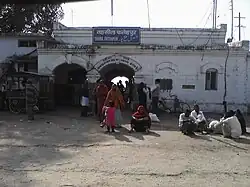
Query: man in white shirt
[200,119]
[187,123]
[231,127]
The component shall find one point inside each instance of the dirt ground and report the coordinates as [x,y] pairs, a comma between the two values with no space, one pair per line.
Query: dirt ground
[61,149]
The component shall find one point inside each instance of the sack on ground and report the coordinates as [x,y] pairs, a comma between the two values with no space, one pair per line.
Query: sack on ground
[154,118]
[84,101]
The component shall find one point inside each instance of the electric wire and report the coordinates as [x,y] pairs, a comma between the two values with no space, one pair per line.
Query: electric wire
[208,10]
[197,36]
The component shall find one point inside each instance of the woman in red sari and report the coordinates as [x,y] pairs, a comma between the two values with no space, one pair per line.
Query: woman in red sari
[140,121]
[101,94]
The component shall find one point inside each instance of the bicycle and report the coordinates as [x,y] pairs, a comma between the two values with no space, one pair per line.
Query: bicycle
[17,104]
[172,105]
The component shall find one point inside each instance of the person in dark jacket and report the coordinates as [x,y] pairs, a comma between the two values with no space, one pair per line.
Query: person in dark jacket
[142,95]
[31,99]
[242,121]
[155,96]
[84,94]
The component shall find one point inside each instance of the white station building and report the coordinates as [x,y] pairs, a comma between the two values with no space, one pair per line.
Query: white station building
[196,65]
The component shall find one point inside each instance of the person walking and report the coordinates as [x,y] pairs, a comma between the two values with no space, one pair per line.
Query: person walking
[142,95]
[84,98]
[31,99]
[155,97]
[101,94]
[115,96]
[134,96]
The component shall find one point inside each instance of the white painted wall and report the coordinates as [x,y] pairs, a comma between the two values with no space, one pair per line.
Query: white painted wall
[9,47]
[166,36]
[190,68]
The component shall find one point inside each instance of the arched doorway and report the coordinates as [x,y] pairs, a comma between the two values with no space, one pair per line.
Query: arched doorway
[68,80]
[117,65]
[109,72]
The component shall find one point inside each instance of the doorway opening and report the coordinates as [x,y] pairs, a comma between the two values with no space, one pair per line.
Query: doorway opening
[117,79]
[112,73]
[68,81]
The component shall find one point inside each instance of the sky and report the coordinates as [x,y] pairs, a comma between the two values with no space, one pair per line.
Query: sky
[163,14]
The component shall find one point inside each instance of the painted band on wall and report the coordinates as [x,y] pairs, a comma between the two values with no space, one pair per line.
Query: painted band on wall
[117,59]
[116,35]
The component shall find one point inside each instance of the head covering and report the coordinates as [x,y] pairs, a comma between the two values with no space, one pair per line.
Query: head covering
[115,96]
[140,113]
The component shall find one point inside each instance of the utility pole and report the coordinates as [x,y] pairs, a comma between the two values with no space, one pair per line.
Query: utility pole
[149,24]
[232,19]
[240,26]
[72,17]
[214,14]
[112,13]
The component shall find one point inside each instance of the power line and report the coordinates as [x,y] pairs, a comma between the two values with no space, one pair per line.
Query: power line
[208,10]
[191,43]
[239,25]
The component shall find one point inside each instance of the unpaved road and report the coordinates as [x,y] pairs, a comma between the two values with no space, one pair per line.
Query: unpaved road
[70,151]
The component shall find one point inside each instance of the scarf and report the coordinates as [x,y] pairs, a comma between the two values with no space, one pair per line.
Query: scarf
[139,114]
[116,97]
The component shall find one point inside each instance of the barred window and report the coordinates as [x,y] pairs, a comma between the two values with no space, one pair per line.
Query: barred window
[26,43]
[211,79]
[166,84]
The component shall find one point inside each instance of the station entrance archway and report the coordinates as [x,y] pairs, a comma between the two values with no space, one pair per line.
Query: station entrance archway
[111,71]
[68,81]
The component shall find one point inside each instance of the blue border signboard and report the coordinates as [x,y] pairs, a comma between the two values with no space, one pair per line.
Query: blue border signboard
[116,35]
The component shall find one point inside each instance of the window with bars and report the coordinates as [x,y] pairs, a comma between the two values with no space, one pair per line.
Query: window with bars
[26,43]
[211,79]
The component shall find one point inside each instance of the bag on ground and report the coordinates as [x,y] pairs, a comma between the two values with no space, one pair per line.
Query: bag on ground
[154,118]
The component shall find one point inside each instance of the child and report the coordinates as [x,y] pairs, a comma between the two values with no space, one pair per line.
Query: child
[109,119]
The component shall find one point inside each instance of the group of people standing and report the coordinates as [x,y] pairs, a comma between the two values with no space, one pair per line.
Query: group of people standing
[231,125]
[111,102]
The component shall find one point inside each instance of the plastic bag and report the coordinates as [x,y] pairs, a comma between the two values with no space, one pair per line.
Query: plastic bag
[154,118]
[84,101]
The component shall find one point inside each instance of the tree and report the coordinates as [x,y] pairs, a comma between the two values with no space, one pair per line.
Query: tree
[29,17]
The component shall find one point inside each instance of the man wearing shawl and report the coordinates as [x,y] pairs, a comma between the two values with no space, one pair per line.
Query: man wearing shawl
[140,120]
[101,93]
[115,96]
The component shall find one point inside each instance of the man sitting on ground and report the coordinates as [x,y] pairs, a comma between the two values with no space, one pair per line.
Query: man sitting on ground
[200,119]
[187,123]
[231,127]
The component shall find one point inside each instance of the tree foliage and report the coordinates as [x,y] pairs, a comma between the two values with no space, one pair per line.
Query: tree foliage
[29,17]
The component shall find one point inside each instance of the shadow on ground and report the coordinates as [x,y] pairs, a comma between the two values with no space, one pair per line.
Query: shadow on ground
[123,134]
[27,146]
[30,146]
